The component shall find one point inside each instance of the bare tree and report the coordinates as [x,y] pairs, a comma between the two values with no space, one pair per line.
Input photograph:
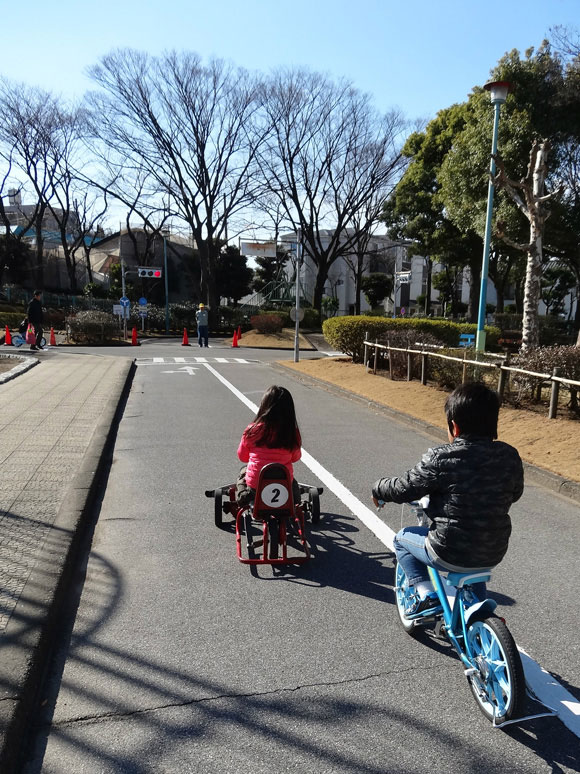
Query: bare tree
[329,158]
[529,195]
[188,131]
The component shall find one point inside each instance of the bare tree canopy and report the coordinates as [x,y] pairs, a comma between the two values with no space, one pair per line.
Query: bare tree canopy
[184,133]
[330,160]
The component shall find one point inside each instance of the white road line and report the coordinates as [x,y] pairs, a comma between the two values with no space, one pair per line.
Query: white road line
[240,360]
[179,359]
[221,360]
[201,359]
[159,360]
[547,689]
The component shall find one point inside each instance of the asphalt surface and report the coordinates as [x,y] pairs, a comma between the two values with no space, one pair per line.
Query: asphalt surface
[57,424]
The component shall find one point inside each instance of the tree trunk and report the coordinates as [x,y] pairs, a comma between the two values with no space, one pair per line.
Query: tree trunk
[530,325]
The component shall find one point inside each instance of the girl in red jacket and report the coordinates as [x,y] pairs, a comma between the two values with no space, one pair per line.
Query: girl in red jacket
[273,436]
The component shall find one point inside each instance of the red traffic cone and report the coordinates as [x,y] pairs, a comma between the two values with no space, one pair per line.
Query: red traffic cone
[235,340]
[134,342]
[185,342]
[8,338]
[52,338]
[239,332]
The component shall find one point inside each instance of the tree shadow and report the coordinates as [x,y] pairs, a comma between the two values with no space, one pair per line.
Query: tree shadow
[285,721]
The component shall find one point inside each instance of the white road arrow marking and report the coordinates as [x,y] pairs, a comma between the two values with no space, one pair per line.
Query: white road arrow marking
[187,369]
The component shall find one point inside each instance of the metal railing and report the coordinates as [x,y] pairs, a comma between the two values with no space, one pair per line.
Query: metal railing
[501,366]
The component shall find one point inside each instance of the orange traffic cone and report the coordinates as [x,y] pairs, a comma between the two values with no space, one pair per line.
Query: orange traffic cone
[235,340]
[239,332]
[185,342]
[8,338]
[52,338]
[134,342]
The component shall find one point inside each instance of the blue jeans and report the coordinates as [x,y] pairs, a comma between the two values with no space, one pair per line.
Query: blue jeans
[202,335]
[412,555]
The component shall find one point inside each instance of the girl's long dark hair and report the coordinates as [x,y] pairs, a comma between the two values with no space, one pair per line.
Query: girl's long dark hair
[275,424]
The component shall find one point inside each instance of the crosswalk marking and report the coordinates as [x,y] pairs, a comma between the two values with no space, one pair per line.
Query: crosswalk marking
[191,360]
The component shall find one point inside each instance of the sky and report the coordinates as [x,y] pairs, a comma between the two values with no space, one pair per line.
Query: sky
[416,55]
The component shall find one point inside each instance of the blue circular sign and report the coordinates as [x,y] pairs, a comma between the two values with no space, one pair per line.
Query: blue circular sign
[142,301]
[124,301]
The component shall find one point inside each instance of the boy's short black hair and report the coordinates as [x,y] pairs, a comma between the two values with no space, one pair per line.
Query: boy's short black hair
[474,408]
[37,293]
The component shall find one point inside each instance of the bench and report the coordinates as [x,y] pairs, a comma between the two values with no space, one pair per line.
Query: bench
[467,340]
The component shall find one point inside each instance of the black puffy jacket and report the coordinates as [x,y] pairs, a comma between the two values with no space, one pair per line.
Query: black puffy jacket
[471,484]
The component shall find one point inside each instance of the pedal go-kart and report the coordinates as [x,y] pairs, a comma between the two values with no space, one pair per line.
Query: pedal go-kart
[272,529]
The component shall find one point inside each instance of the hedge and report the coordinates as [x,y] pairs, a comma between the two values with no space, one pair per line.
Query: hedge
[347,333]
[92,326]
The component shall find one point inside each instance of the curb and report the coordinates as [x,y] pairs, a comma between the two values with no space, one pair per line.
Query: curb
[26,364]
[533,474]
[30,658]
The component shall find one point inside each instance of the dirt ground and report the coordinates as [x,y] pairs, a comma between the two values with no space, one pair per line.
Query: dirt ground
[548,443]
[7,364]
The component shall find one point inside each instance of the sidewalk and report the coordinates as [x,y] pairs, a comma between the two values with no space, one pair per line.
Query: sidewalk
[55,422]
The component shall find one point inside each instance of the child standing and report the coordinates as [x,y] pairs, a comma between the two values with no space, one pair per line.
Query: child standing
[273,436]
[471,482]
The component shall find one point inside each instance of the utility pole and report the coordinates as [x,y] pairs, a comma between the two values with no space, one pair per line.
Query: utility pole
[297,304]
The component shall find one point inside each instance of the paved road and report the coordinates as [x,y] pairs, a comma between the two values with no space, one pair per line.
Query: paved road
[183,660]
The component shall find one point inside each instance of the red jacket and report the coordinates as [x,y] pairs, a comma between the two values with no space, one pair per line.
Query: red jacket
[258,456]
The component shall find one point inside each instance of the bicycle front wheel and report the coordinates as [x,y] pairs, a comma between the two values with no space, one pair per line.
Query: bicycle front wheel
[403,598]
[498,685]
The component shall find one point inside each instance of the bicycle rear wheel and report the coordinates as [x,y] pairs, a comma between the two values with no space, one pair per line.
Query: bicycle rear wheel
[499,685]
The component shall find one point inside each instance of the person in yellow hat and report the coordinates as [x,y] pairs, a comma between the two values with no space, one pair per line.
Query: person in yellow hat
[201,317]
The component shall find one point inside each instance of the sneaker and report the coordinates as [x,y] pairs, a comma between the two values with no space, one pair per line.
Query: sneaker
[33,348]
[420,605]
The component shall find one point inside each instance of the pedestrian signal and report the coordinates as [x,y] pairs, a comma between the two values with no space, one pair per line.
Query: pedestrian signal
[151,272]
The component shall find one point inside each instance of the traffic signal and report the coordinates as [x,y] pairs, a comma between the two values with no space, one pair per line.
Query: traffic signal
[151,272]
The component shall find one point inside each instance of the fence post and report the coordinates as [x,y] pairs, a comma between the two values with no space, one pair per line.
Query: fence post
[464,371]
[503,378]
[409,367]
[390,359]
[554,395]
[376,355]
[366,350]
[423,368]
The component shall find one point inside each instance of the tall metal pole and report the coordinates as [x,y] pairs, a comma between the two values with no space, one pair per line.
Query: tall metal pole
[122,280]
[297,304]
[166,283]
[499,90]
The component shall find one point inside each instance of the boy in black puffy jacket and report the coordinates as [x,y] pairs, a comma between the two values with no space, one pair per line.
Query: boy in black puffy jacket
[471,482]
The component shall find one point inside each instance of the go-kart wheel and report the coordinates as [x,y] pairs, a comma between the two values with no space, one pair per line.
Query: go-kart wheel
[314,505]
[218,510]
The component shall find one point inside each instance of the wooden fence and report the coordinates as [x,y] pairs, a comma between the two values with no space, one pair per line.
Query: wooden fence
[500,366]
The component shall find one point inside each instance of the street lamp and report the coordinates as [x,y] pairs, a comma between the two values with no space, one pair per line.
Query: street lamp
[498,92]
[165,232]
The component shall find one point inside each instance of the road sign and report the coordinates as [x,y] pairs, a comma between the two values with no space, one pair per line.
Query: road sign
[124,301]
[142,301]
[293,314]
[403,311]
[121,311]
[142,312]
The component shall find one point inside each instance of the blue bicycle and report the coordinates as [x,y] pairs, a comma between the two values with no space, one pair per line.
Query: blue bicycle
[491,660]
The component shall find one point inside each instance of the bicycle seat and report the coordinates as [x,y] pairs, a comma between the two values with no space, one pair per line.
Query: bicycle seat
[459,579]
[274,492]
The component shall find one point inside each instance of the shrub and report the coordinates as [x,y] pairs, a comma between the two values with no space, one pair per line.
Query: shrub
[92,327]
[405,339]
[543,360]
[346,334]
[311,319]
[267,323]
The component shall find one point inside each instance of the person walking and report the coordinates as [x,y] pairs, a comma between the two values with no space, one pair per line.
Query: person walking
[35,317]
[201,317]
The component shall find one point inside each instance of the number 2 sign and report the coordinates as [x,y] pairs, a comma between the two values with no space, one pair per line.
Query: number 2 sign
[274,495]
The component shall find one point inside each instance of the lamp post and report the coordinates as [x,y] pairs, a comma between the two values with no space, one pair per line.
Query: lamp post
[165,233]
[498,93]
